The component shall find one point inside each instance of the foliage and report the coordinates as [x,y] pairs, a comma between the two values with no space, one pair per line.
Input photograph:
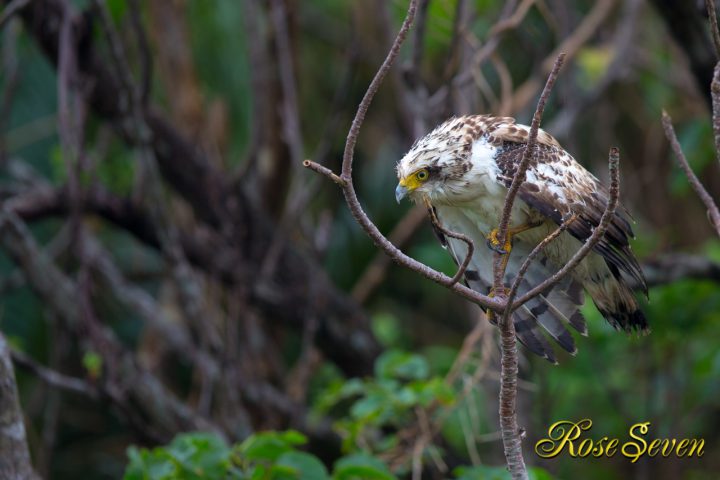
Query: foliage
[263,456]
[401,384]
[374,410]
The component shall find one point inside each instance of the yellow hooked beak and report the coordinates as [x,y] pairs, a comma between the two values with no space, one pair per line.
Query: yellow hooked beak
[405,186]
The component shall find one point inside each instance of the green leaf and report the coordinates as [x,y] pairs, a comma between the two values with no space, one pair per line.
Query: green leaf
[270,445]
[189,456]
[361,467]
[303,466]
[293,437]
[401,365]
[92,361]
[200,455]
[370,407]
[386,328]
[144,465]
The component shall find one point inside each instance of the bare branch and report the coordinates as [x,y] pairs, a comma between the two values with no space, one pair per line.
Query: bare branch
[590,243]
[146,62]
[570,45]
[464,238]
[712,16]
[14,454]
[365,104]
[58,291]
[519,177]
[508,394]
[13,7]
[528,260]
[675,267]
[715,94]
[54,378]
[513,20]
[712,208]
[324,171]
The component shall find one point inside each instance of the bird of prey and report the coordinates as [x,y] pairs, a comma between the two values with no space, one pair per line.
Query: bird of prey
[462,171]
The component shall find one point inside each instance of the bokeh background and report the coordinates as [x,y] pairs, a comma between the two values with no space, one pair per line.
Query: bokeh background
[165,252]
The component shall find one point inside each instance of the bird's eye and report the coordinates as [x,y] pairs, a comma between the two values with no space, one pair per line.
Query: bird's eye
[422,175]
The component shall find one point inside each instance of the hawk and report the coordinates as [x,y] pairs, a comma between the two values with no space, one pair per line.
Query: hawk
[463,169]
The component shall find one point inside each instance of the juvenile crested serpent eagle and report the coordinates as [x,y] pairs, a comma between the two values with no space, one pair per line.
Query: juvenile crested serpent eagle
[463,170]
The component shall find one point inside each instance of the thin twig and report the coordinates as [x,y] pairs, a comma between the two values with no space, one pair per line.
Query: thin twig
[528,260]
[513,20]
[519,176]
[316,167]
[54,378]
[418,41]
[570,45]
[713,212]
[464,238]
[365,104]
[598,233]
[712,16]
[509,18]
[715,94]
[12,9]
[16,462]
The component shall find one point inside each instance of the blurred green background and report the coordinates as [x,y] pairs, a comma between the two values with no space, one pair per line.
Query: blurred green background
[625,66]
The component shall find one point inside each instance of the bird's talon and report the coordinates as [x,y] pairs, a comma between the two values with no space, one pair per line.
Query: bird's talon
[493,293]
[495,248]
[494,244]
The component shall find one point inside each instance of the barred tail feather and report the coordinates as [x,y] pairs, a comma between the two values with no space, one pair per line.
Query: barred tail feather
[546,314]
[616,302]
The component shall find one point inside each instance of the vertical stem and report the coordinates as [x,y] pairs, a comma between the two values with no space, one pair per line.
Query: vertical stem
[508,395]
[14,453]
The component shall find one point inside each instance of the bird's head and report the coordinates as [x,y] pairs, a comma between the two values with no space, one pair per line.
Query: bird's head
[418,175]
[436,166]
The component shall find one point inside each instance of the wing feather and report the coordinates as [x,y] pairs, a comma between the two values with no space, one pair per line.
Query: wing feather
[557,187]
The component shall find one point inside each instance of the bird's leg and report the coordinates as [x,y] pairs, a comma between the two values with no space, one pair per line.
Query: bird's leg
[493,242]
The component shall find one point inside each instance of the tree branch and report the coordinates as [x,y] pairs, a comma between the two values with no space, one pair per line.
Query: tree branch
[228,211]
[528,260]
[712,17]
[464,238]
[675,267]
[519,177]
[715,95]
[14,454]
[163,408]
[712,208]
[53,378]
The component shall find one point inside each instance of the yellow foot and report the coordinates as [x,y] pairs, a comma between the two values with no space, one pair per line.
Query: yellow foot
[490,314]
[493,293]
[494,244]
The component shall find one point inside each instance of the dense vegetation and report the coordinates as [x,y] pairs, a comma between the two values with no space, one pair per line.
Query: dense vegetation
[214,310]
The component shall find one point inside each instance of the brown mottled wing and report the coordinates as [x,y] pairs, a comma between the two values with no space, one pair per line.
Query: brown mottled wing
[557,186]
